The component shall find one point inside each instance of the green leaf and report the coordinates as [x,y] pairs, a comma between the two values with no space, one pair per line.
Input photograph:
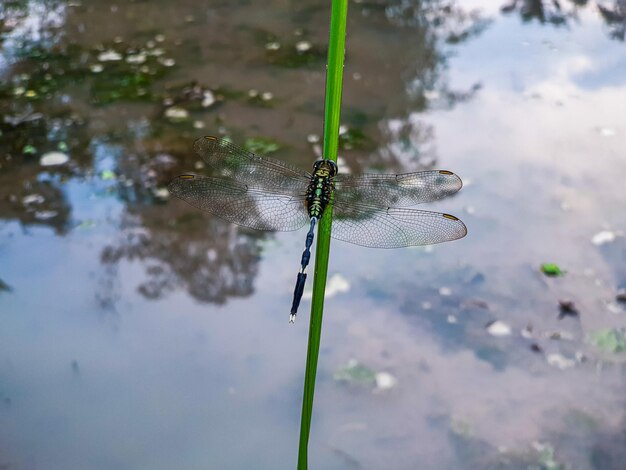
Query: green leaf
[334,80]
[610,340]
[551,269]
[355,373]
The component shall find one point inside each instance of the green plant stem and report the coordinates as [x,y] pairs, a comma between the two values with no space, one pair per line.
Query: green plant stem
[334,79]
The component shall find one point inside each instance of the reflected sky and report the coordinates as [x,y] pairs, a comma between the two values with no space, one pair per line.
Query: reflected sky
[138,333]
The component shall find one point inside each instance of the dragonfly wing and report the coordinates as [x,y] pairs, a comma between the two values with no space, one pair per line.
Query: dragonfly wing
[240,204]
[253,170]
[396,190]
[393,228]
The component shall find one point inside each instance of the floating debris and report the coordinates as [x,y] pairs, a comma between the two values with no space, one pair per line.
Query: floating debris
[355,373]
[54,159]
[32,199]
[498,328]
[551,269]
[161,193]
[385,381]
[208,98]
[167,62]
[176,114]
[611,340]
[272,46]
[312,138]
[567,309]
[559,361]
[445,291]
[600,238]
[136,58]
[107,175]
[621,296]
[45,215]
[452,319]
[109,56]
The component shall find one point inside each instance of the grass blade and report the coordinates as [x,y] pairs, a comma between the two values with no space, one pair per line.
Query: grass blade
[334,79]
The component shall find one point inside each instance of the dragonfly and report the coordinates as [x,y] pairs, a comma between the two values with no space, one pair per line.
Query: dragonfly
[268,194]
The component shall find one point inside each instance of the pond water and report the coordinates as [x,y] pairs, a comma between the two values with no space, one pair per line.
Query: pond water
[137,332]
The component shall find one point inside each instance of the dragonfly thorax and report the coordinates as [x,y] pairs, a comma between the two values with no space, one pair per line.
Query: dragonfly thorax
[321,187]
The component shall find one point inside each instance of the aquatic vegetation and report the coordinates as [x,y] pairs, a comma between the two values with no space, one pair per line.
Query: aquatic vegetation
[609,340]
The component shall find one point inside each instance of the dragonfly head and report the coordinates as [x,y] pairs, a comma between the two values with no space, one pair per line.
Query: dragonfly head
[326,168]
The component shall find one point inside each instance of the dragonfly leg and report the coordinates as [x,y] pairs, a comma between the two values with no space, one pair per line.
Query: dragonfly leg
[301,280]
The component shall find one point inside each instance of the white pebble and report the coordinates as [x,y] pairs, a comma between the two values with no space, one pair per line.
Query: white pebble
[109,56]
[53,159]
[603,237]
[303,46]
[498,328]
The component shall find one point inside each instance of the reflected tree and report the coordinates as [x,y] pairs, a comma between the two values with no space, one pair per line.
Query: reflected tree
[561,12]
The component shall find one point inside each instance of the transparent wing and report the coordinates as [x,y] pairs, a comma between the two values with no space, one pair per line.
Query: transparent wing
[396,190]
[393,228]
[253,170]
[240,204]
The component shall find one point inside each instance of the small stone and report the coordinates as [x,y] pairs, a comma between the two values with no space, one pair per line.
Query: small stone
[161,193]
[452,319]
[303,46]
[426,305]
[53,159]
[272,46]
[536,348]
[109,56]
[267,96]
[136,59]
[198,125]
[159,38]
[168,62]
[600,238]
[498,328]
[253,93]
[356,76]
[199,165]
[343,129]
[312,138]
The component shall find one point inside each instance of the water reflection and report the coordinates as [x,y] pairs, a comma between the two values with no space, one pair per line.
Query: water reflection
[122,91]
[563,13]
